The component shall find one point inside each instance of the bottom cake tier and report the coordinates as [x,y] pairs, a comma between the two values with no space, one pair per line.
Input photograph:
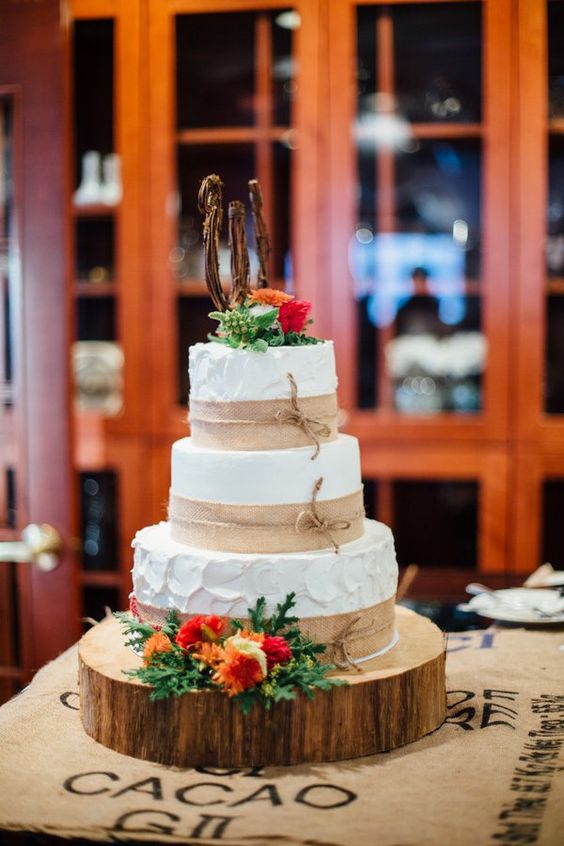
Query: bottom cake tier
[344,599]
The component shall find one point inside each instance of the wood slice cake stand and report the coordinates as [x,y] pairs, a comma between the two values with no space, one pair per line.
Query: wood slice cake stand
[399,697]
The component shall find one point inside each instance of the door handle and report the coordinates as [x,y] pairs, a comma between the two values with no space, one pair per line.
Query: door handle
[40,545]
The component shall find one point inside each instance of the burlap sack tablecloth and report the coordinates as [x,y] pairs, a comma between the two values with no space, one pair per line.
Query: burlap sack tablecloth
[492,774]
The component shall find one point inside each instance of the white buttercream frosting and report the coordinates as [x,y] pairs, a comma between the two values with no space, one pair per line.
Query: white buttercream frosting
[172,575]
[221,374]
[265,477]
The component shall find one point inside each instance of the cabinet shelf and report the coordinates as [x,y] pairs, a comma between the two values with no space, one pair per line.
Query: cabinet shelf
[95,289]
[231,134]
[101,578]
[191,288]
[443,129]
[555,286]
[470,288]
[95,210]
[249,134]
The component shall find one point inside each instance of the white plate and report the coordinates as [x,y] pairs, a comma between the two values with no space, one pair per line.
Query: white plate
[555,579]
[520,605]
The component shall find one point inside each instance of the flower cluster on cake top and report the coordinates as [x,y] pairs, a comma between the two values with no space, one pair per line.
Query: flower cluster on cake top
[266,318]
[262,660]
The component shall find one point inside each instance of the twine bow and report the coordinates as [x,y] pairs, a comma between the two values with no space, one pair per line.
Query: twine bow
[313,427]
[311,520]
[341,644]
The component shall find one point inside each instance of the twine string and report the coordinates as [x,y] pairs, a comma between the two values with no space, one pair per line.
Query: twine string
[340,645]
[313,427]
[310,520]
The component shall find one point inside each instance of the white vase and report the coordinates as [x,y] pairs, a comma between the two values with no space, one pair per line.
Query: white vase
[90,189]
[111,190]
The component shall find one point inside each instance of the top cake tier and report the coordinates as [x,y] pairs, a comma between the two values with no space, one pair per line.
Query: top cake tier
[221,374]
[279,399]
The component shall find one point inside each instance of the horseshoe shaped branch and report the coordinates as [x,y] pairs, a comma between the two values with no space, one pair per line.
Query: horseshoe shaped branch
[210,205]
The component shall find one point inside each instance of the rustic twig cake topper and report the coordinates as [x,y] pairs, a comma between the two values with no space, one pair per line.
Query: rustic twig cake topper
[210,204]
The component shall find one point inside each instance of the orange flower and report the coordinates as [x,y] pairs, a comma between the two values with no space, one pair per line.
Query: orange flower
[208,653]
[247,635]
[270,296]
[243,665]
[158,642]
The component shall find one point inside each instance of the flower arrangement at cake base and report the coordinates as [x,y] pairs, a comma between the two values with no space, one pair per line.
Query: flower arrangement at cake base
[264,660]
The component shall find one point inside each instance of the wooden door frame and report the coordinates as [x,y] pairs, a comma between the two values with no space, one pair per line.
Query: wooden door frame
[36,61]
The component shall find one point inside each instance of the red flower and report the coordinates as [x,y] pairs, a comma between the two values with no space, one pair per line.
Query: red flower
[200,629]
[276,650]
[293,315]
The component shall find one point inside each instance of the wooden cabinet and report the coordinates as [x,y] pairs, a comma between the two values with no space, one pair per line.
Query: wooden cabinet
[411,159]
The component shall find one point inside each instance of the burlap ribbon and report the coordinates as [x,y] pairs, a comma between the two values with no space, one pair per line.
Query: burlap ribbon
[348,637]
[296,527]
[265,424]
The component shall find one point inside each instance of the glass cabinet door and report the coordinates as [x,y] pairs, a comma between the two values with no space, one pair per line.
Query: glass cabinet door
[420,235]
[415,252]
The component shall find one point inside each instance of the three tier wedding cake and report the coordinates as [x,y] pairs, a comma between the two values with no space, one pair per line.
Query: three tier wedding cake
[266,496]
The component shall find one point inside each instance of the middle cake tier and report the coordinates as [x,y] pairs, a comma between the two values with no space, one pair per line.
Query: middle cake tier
[267,500]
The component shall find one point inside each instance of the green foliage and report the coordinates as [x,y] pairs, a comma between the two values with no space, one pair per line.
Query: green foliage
[172,674]
[294,339]
[256,615]
[176,672]
[138,633]
[280,619]
[244,327]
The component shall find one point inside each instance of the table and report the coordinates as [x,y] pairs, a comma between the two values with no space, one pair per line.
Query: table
[492,774]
